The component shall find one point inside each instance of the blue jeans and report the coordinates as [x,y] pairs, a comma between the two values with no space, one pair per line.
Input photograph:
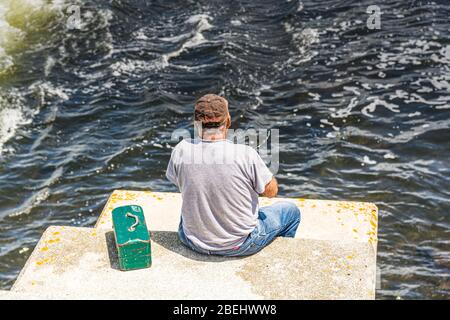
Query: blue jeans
[280,219]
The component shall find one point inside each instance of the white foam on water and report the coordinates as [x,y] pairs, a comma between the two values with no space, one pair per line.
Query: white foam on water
[354,90]
[140,35]
[367,160]
[14,113]
[193,38]
[47,90]
[128,67]
[236,22]
[345,112]
[17,19]
[370,108]
[8,34]
[315,96]
[327,122]
[49,64]
[389,156]
[443,57]
[12,117]
[414,114]
[414,97]
[32,202]
[303,39]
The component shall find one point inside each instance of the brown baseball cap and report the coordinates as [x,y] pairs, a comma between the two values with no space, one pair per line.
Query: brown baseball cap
[211,110]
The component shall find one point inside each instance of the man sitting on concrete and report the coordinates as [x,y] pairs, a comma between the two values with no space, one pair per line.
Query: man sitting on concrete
[220,182]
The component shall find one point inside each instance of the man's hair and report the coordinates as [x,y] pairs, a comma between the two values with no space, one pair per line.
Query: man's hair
[211,110]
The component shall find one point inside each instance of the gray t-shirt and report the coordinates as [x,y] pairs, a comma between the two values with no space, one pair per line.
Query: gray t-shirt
[220,182]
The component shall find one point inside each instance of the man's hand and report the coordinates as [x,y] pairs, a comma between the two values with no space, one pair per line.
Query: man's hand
[271,189]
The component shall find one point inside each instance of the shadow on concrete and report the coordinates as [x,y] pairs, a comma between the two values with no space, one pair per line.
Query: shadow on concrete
[112,250]
[170,241]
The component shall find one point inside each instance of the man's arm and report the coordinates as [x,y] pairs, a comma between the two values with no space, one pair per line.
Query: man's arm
[271,189]
[171,172]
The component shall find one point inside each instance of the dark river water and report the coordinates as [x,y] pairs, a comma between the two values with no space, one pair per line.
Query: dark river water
[363,114]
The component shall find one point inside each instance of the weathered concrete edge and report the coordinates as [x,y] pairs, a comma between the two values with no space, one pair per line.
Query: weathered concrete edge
[31,258]
[19,295]
[104,210]
[35,252]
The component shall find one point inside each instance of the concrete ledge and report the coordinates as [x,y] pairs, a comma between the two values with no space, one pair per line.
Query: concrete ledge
[332,257]
[17,295]
[77,263]
[321,219]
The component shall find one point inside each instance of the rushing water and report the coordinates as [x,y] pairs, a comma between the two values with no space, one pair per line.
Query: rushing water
[363,114]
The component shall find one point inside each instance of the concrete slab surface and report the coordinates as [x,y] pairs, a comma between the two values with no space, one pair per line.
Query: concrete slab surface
[81,263]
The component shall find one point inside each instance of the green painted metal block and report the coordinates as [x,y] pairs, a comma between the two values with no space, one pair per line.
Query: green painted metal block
[132,238]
